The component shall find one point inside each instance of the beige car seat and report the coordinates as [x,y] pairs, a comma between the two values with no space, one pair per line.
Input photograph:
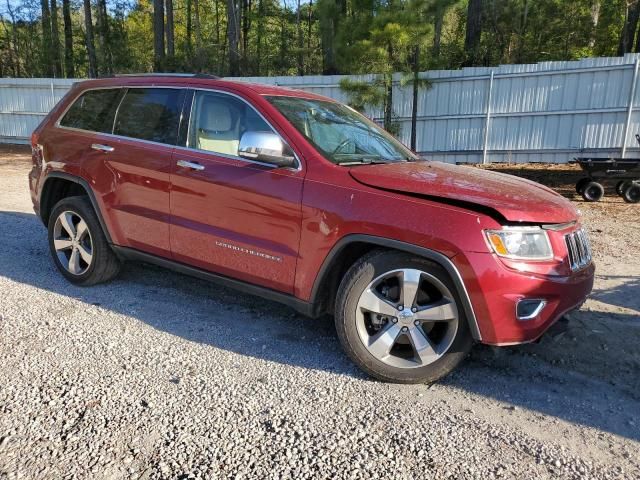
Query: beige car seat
[218,127]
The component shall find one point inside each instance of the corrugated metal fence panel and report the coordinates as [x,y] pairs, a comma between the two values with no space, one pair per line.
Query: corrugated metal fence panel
[25,102]
[550,111]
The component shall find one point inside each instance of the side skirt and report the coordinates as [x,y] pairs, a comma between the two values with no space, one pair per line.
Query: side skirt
[300,306]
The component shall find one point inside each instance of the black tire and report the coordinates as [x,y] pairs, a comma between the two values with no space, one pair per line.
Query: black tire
[632,193]
[104,264]
[592,192]
[622,185]
[356,280]
[581,184]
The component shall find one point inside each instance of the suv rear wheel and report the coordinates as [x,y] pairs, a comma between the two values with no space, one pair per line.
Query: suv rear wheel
[399,319]
[78,244]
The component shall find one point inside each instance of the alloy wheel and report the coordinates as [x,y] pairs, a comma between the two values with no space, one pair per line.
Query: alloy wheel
[407,318]
[72,242]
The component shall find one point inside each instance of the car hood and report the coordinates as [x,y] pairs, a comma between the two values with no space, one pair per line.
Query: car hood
[516,199]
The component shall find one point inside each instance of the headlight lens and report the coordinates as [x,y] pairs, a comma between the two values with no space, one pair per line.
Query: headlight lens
[521,243]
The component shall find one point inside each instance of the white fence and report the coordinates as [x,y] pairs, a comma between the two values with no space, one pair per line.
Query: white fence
[546,112]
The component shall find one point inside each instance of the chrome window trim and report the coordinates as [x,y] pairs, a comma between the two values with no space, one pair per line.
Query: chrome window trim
[186,88]
[120,137]
[182,116]
[193,101]
[115,115]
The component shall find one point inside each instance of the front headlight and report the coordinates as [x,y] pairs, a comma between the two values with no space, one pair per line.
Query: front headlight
[520,243]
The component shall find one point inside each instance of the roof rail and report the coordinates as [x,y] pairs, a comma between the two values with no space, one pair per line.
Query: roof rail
[160,74]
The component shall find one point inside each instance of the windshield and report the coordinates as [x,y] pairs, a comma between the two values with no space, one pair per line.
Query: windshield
[341,134]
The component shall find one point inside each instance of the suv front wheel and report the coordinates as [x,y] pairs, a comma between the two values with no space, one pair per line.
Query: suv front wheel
[399,318]
[78,245]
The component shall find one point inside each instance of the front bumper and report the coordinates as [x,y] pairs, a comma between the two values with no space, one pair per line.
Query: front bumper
[495,289]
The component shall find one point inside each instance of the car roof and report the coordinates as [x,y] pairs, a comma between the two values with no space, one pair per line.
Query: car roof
[197,80]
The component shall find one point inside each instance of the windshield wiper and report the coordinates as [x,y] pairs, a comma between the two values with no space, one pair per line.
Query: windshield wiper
[362,161]
[369,160]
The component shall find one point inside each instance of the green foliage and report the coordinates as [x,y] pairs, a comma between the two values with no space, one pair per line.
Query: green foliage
[363,94]
[284,37]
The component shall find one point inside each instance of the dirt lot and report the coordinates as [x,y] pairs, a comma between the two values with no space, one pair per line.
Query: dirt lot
[157,375]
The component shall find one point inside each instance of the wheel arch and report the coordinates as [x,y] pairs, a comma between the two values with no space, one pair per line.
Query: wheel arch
[351,247]
[59,185]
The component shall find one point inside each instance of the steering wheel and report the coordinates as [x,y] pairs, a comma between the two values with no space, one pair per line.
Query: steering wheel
[343,144]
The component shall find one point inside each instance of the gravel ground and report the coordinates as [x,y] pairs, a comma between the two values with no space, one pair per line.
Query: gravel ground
[158,375]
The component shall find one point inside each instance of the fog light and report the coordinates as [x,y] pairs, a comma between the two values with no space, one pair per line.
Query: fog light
[529,308]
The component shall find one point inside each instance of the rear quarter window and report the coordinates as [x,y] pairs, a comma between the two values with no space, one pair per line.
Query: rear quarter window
[93,110]
[150,114]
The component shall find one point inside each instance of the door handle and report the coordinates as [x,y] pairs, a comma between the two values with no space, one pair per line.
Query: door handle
[102,148]
[191,165]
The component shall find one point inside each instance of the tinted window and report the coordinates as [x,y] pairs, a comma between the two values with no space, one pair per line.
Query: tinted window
[150,114]
[93,110]
[218,121]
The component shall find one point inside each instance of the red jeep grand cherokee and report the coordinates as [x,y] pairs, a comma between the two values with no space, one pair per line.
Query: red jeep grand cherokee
[300,199]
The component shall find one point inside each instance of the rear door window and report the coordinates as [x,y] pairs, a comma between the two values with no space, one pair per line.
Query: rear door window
[150,114]
[93,110]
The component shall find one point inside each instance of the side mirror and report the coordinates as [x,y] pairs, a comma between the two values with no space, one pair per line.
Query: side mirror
[266,147]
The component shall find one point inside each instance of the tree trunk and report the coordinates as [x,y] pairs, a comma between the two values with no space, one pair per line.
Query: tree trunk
[522,33]
[259,35]
[309,28]
[219,58]
[91,46]
[388,104]
[329,26]
[232,38]
[13,61]
[300,55]
[414,100]
[437,31]
[326,40]
[246,26]
[473,32]
[628,33]
[12,39]
[32,43]
[55,40]
[103,35]
[283,43]
[69,67]
[217,24]
[595,19]
[17,69]
[196,25]
[158,35]
[46,39]
[101,43]
[189,35]
[169,28]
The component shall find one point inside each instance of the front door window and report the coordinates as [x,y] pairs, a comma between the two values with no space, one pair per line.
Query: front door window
[218,121]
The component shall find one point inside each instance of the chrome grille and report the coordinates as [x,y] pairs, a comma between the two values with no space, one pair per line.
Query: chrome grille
[578,248]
